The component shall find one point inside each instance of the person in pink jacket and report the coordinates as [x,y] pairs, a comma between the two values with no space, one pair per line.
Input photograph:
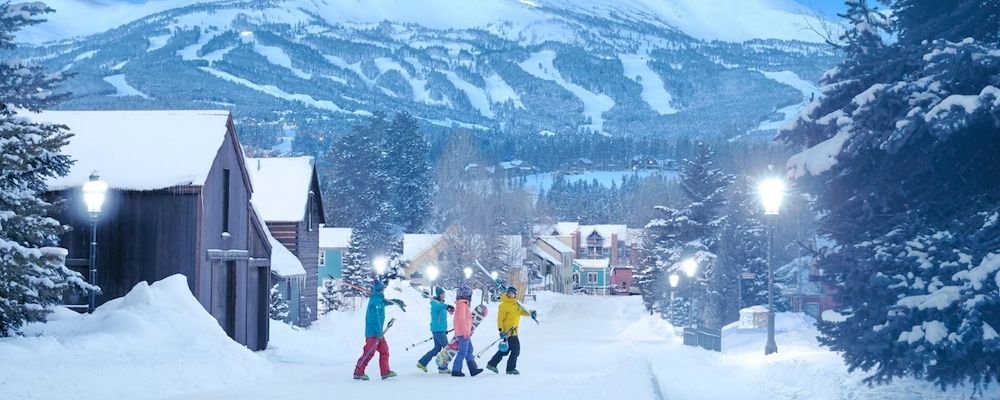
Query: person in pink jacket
[463,332]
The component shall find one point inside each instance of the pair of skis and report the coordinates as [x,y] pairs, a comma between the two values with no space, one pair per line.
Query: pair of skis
[499,286]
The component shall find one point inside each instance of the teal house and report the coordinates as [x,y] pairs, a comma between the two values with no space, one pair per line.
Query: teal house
[592,276]
[333,243]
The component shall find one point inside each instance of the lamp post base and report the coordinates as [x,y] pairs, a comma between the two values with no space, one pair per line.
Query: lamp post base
[770,348]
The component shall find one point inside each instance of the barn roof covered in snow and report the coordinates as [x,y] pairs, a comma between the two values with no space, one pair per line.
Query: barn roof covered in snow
[416,244]
[281,186]
[139,150]
[334,238]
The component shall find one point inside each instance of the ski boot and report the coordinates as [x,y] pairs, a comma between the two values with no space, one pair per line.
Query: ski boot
[492,369]
[444,371]
[513,372]
[457,373]
[389,375]
[361,377]
[476,371]
[422,367]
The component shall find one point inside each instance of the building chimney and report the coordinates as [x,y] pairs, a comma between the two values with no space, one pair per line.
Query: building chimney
[258,164]
[614,250]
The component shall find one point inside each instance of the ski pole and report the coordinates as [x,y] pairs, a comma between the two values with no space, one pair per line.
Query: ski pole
[491,344]
[425,341]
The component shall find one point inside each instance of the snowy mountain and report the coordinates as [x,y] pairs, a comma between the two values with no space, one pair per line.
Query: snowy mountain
[641,67]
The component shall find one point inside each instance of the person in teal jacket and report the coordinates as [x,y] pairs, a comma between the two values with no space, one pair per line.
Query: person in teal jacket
[439,327]
[374,339]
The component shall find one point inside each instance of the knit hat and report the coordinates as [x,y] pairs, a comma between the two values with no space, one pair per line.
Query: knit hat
[378,285]
[464,292]
[439,292]
[512,291]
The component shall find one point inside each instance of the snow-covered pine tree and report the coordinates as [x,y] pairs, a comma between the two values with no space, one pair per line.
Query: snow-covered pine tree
[694,231]
[331,298]
[357,272]
[278,305]
[409,167]
[743,249]
[902,160]
[33,275]
[363,187]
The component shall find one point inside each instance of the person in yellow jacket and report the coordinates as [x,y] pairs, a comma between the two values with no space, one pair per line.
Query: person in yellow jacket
[508,319]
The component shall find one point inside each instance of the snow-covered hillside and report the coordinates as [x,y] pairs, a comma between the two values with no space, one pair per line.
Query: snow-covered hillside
[517,19]
[158,343]
[637,67]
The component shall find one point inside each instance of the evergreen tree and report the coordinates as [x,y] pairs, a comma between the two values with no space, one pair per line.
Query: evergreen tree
[903,164]
[278,305]
[694,232]
[357,272]
[331,298]
[743,250]
[33,275]
[409,167]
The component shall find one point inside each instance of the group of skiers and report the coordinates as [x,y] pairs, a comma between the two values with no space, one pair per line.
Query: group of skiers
[508,319]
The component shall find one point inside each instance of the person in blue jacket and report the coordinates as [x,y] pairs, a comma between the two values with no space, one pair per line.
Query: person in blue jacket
[439,327]
[374,339]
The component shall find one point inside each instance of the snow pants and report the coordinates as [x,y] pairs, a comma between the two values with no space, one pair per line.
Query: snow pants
[373,344]
[440,340]
[513,349]
[464,354]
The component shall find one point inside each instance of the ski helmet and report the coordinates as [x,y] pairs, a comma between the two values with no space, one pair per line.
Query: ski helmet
[464,292]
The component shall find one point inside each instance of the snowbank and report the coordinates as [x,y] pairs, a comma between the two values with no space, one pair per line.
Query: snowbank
[156,339]
[650,329]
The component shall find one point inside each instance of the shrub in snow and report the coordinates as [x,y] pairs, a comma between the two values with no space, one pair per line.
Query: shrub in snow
[902,155]
[331,298]
[357,271]
[33,275]
[279,306]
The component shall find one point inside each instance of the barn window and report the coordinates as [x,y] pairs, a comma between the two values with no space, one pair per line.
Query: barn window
[225,200]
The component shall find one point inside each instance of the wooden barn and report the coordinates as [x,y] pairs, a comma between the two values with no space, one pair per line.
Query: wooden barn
[287,195]
[178,203]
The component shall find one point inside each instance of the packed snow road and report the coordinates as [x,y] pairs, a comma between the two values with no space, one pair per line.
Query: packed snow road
[573,354]
[586,347]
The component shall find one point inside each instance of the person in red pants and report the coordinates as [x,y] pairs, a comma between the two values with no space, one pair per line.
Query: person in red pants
[374,339]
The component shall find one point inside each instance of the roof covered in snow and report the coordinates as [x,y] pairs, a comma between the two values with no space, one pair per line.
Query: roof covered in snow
[554,242]
[283,262]
[546,256]
[334,238]
[281,186]
[139,150]
[416,243]
[600,263]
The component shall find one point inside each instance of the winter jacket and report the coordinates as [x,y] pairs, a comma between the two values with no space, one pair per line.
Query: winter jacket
[439,316]
[509,315]
[375,315]
[463,318]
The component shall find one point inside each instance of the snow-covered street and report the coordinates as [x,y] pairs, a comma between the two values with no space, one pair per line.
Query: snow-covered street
[586,347]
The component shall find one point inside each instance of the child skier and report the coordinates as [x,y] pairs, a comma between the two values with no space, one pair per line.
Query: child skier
[374,339]
[439,327]
[508,319]
[463,331]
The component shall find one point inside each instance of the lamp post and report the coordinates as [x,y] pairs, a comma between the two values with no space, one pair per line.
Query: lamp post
[674,280]
[772,192]
[94,192]
[432,273]
[690,268]
[468,272]
[380,264]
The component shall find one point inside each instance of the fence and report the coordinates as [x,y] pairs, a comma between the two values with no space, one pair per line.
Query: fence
[706,338]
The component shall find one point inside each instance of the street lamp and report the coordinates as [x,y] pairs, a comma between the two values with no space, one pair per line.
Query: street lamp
[468,272]
[772,192]
[494,275]
[380,264]
[432,273]
[690,267]
[674,280]
[94,192]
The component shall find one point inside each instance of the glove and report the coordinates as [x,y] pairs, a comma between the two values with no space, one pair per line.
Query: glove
[503,335]
[451,308]
[534,314]
[399,303]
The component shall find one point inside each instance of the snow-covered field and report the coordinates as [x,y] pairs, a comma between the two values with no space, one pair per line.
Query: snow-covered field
[544,181]
[157,343]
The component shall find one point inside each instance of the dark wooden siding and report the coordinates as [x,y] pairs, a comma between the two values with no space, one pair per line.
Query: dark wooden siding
[141,236]
[308,253]
[221,281]
[285,233]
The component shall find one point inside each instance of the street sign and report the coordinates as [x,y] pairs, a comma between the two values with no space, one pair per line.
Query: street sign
[748,275]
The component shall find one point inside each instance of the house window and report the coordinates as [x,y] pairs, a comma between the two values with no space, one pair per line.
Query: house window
[322,258]
[576,279]
[595,246]
[592,278]
[225,200]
